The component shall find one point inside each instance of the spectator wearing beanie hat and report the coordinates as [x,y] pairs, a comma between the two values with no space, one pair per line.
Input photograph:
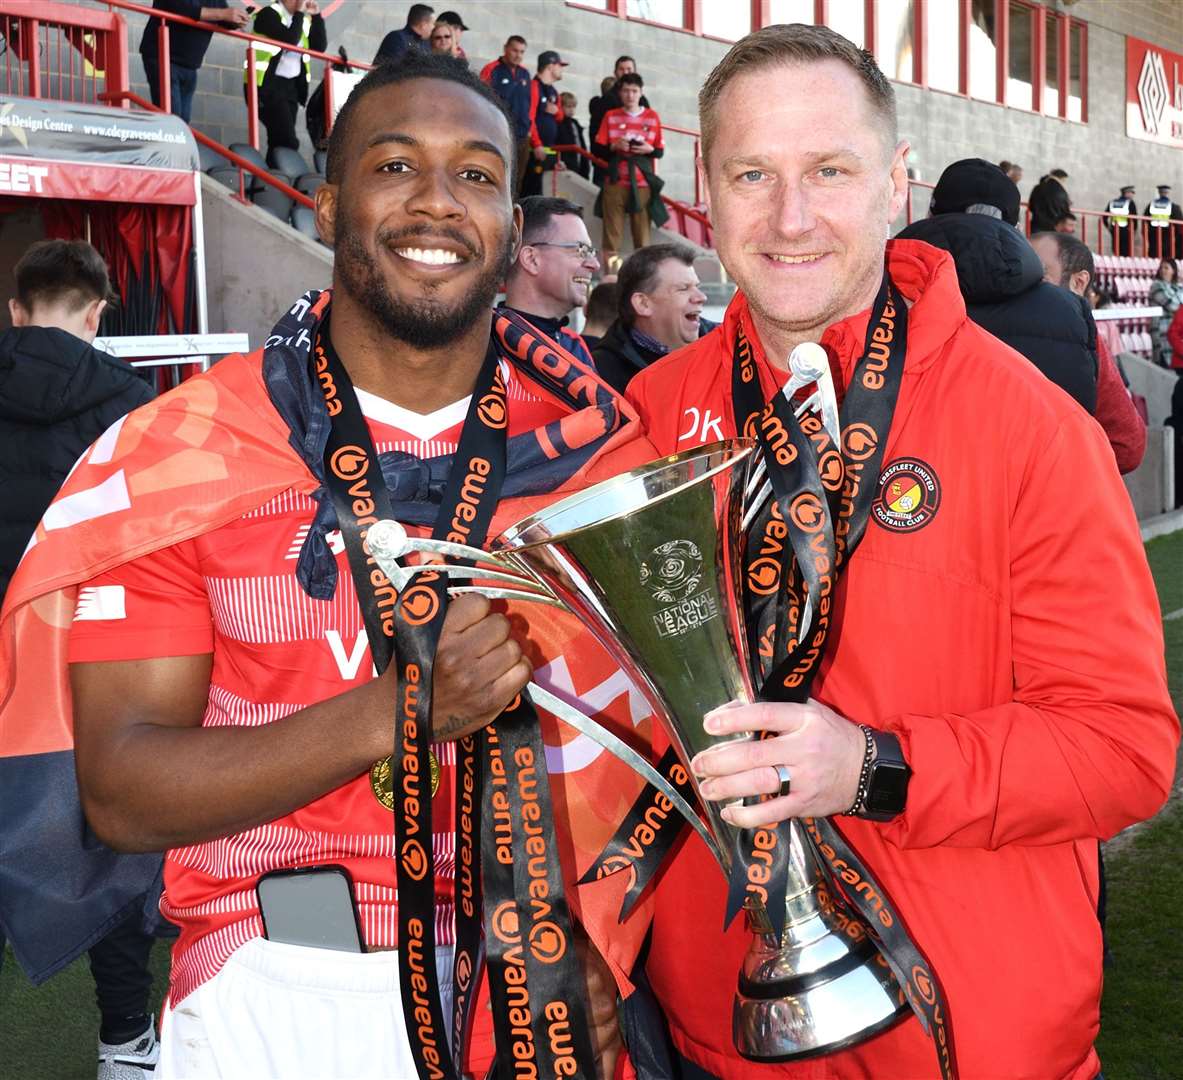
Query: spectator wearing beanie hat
[973,216]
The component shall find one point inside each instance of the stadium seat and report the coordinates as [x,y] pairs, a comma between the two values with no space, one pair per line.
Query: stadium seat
[280,174]
[320,159]
[287,160]
[210,159]
[304,220]
[245,150]
[274,202]
[228,175]
[308,183]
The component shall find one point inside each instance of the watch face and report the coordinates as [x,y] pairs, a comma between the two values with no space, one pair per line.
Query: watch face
[888,789]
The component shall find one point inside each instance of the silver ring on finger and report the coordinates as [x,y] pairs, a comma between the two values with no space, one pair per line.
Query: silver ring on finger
[785,778]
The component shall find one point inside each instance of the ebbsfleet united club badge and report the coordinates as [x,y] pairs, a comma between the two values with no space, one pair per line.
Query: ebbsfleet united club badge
[908,497]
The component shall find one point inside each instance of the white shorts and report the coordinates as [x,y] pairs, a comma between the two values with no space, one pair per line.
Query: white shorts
[289,1012]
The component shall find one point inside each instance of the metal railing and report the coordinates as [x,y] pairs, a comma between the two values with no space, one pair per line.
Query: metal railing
[1092,228]
[697,137]
[168,19]
[61,52]
[242,164]
[678,210]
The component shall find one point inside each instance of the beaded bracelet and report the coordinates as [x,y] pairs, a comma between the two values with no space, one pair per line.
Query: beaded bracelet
[864,776]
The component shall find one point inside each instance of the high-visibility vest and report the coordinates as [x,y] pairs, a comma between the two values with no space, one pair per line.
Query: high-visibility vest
[1160,213]
[1119,212]
[264,52]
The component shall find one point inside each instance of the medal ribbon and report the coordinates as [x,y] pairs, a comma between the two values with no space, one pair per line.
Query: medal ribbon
[407,630]
[821,502]
[797,536]
[822,497]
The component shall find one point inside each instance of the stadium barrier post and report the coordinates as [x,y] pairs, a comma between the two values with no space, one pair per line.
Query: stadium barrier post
[164,68]
[252,98]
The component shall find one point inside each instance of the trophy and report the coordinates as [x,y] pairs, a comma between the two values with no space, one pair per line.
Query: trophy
[651,562]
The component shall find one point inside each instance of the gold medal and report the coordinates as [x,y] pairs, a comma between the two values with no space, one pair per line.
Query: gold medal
[382,783]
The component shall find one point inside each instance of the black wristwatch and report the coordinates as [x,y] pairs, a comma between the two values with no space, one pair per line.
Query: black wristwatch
[883,783]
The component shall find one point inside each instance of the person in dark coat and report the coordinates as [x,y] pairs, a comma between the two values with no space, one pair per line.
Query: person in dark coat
[57,395]
[1049,202]
[571,134]
[414,35]
[284,77]
[1068,263]
[186,48]
[659,309]
[975,211]
[513,84]
[551,275]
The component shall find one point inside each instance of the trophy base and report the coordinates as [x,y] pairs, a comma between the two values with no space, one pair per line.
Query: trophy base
[819,1012]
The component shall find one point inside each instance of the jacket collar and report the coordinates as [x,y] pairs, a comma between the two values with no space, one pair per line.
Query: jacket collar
[548,326]
[928,281]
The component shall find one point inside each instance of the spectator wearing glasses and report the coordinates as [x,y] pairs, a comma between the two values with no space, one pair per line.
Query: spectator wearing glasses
[443,40]
[452,19]
[551,276]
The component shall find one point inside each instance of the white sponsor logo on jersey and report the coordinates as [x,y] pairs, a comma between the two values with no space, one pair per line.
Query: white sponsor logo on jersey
[334,539]
[100,602]
[348,664]
[701,427]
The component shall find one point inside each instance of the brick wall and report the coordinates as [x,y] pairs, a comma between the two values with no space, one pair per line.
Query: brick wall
[941,127]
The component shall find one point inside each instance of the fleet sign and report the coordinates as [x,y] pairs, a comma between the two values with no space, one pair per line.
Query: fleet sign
[1154,93]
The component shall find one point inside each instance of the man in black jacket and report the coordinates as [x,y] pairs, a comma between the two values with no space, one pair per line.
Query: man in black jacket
[285,76]
[186,48]
[1049,202]
[975,211]
[659,305]
[57,395]
[546,113]
[414,35]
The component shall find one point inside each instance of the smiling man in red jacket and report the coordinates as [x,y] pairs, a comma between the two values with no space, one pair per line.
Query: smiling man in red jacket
[996,632]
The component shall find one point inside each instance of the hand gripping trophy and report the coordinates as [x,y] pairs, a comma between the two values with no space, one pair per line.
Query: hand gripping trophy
[652,562]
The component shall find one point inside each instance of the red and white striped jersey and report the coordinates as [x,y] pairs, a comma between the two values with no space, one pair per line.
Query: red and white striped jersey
[233,592]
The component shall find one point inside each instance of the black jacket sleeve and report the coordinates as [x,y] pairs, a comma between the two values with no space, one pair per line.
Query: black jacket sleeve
[318,37]
[191,9]
[269,24]
[1061,204]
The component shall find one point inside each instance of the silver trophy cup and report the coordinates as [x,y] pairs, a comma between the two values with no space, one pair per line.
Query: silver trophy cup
[651,562]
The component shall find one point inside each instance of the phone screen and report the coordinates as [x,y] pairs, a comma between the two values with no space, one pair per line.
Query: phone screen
[312,906]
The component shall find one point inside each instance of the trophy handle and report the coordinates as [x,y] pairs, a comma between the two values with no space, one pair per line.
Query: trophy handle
[388,542]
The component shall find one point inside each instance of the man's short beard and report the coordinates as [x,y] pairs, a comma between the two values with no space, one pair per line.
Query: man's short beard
[421,324]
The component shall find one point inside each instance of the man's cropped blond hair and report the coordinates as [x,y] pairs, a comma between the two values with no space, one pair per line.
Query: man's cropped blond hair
[794,43]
